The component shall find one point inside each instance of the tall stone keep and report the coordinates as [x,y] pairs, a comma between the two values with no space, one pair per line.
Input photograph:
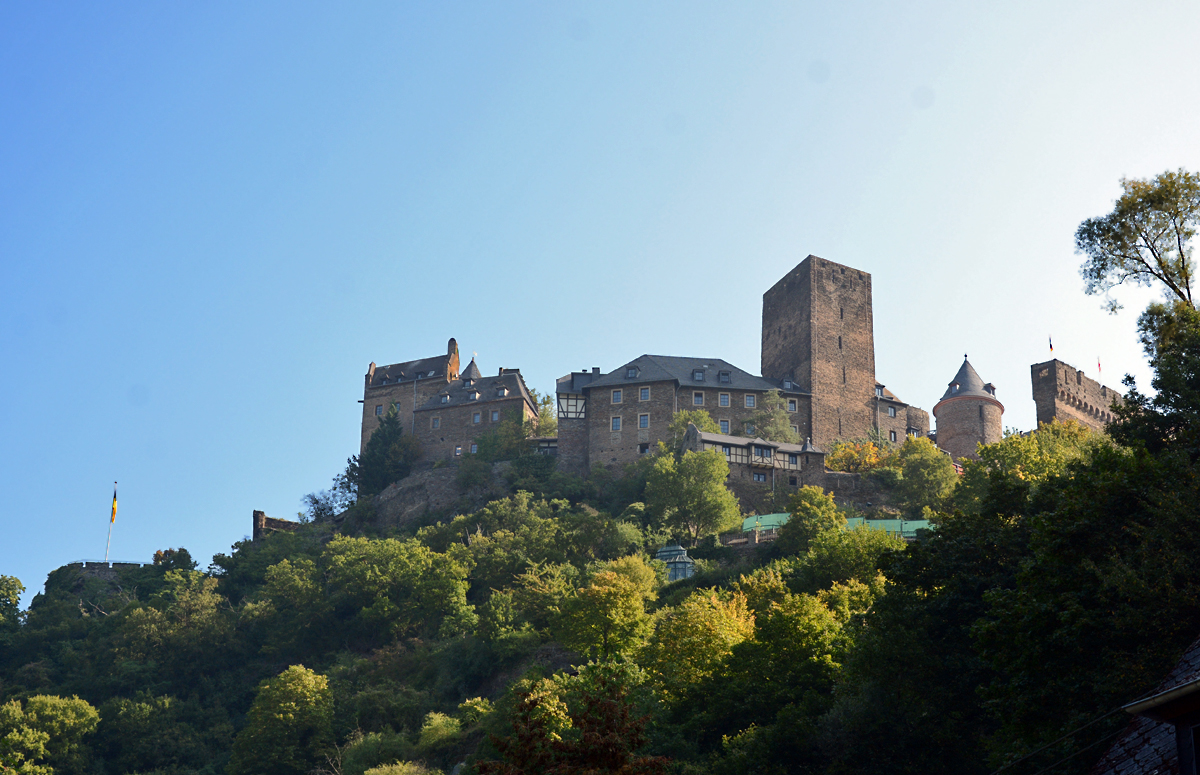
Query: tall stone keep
[818,333]
[968,414]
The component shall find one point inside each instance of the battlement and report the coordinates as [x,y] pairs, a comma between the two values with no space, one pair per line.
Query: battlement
[1062,392]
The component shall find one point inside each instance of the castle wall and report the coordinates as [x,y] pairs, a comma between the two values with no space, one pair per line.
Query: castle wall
[818,331]
[572,449]
[401,394]
[456,427]
[964,423]
[1062,392]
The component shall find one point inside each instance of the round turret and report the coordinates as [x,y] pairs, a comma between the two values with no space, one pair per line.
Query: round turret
[968,414]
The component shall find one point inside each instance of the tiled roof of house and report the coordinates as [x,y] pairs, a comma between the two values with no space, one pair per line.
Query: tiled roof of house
[483,391]
[409,370]
[662,368]
[1147,747]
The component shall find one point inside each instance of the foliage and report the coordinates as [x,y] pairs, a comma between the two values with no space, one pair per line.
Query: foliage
[49,729]
[1146,239]
[689,494]
[403,768]
[772,421]
[810,512]
[603,619]
[10,602]
[387,457]
[546,423]
[289,726]
[859,456]
[692,641]
[927,476]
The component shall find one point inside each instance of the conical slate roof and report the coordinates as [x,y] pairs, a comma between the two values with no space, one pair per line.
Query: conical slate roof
[966,383]
[471,372]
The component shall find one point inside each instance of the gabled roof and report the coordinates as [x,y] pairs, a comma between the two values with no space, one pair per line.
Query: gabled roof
[459,393]
[664,368]
[409,370]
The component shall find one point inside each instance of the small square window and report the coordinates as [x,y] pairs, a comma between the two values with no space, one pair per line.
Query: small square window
[723,399]
[643,449]
[892,435]
[631,372]
[457,451]
[725,427]
[445,399]
[378,410]
[791,404]
[644,394]
[796,429]
[616,423]
[436,423]
[760,477]
[643,421]
[698,375]
[616,396]
[475,417]
[697,399]
[749,400]
[724,378]
[891,411]
[474,448]
[495,416]
[792,481]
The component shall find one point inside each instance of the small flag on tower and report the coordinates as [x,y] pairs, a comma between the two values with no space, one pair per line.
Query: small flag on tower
[1051,343]
[114,510]
[1098,369]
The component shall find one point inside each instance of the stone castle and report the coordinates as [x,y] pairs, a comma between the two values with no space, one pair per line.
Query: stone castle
[818,351]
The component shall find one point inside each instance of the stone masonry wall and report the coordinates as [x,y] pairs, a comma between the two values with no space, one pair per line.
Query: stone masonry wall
[964,423]
[1062,392]
[401,394]
[457,426]
[818,330]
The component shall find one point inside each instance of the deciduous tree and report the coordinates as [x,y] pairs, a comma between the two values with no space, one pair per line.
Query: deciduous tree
[689,494]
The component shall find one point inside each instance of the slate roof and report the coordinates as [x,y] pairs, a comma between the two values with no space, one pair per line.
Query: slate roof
[664,368]
[459,393]
[969,384]
[1147,747]
[743,441]
[471,372]
[408,371]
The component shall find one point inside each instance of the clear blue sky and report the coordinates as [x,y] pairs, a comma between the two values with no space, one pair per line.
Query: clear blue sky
[213,216]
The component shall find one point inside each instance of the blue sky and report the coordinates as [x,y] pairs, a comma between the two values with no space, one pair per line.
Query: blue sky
[213,216]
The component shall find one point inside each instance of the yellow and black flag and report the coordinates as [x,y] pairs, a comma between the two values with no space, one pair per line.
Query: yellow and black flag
[114,511]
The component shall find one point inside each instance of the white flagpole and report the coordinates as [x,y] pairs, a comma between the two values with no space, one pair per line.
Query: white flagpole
[113,519]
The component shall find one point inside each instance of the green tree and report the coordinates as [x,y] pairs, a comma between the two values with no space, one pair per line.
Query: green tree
[773,422]
[603,619]
[860,455]
[387,457]
[927,476]
[838,556]
[289,727]
[10,603]
[46,735]
[1146,239]
[677,428]
[811,512]
[689,494]
[546,423]
[693,640]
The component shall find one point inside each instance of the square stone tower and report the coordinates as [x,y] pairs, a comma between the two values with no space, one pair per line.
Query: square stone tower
[818,333]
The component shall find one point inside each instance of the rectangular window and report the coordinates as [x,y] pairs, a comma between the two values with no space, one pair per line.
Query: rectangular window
[749,427]
[723,399]
[792,481]
[616,423]
[495,416]
[396,407]
[644,394]
[725,427]
[796,429]
[725,448]
[475,417]
[435,423]
[878,391]
[698,375]
[631,372]
[457,451]
[643,449]
[891,411]
[892,435]
[378,410]
[724,378]
[474,448]
[643,421]
[749,400]
[791,404]
[698,399]
[793,459]
[759,477]
[616,396]
[762,451]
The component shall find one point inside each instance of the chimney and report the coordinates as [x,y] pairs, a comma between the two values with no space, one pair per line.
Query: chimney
[595,369]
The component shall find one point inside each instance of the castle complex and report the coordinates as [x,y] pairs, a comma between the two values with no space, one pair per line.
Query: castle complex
[818,352]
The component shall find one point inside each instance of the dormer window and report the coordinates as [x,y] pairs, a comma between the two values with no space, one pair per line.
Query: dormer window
[724,377]
[445,399]
[878,392]
[697,375]
[473,395]
[953,387]
[631,372]
[501,392]
[787,384]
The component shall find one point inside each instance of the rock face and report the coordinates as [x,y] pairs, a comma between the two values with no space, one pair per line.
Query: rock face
[433,491]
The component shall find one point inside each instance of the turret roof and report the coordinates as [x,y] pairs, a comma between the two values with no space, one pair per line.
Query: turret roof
[471,372]
[967,382]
